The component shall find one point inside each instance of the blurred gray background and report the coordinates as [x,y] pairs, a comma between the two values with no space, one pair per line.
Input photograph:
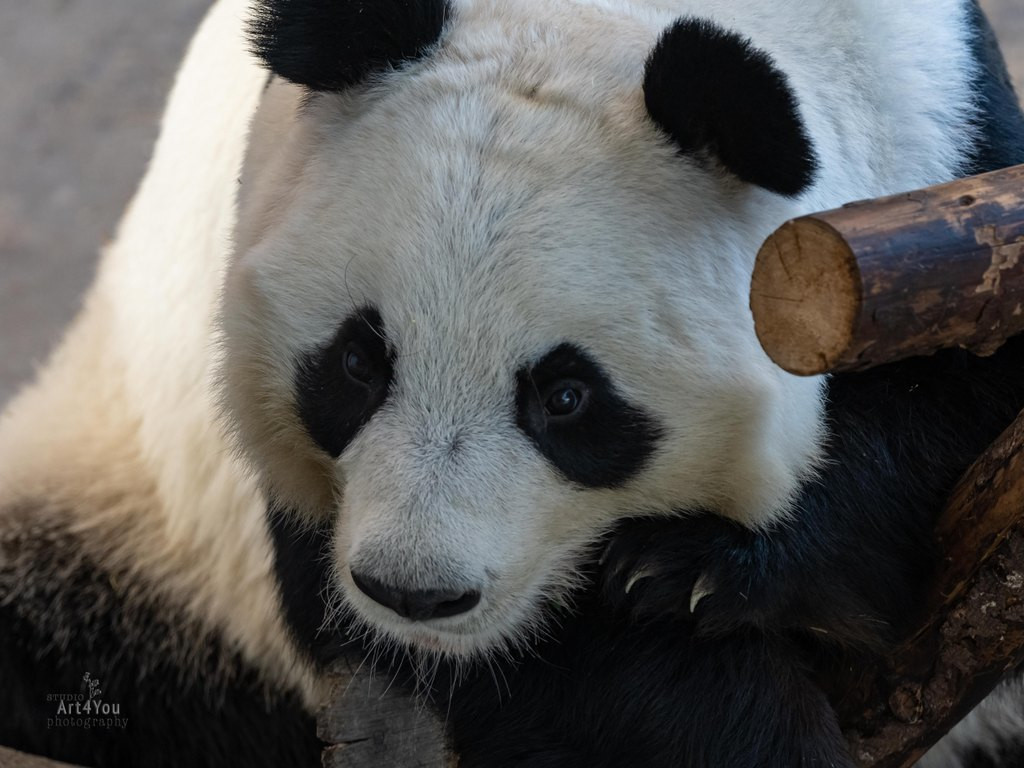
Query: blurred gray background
[82,83]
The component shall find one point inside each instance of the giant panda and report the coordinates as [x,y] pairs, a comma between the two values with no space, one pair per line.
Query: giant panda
[425,340]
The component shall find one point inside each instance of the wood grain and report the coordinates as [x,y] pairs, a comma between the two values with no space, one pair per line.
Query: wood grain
[881,280]
[973,633]
[367,722]
[11,759]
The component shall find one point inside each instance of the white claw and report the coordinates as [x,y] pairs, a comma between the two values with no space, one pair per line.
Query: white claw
[643,573]
[701,589]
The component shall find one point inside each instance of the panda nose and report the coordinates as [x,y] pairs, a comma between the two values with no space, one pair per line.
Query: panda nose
[417,604]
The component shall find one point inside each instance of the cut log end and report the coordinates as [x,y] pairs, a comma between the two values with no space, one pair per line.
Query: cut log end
[805,296]
[888,279]
[366,721]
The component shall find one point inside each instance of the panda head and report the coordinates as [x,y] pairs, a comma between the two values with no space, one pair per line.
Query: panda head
[489,295]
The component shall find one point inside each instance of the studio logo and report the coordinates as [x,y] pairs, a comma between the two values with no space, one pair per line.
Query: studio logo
[87,709]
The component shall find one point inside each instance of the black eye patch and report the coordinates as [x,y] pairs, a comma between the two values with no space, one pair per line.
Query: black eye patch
[339,386]
[603,441]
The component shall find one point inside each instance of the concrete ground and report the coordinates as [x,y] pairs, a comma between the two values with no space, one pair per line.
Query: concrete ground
[81,88]
[82,85]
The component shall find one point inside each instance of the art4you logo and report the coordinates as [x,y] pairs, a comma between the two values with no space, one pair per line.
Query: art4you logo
[87,709]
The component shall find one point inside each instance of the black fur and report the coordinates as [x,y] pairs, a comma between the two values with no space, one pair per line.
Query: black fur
[635,679]
[302,557]
[333,405]
[603,691]
[625,679]
[332,45]
[187,698]
[1007,755]
[1001,140]
[851,565]
[854,559]
[606,444]
[607,693]
[712,90]
[981,759]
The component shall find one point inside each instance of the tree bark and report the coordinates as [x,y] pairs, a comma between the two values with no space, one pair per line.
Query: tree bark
[870,283]
[971,635]
[11,759]
[973,630]
[882,280]
[367,723]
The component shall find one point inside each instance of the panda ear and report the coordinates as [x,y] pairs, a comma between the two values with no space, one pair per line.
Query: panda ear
[712,90]
[331,45]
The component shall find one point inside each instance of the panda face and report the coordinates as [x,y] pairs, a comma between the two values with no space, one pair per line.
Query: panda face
[483,310]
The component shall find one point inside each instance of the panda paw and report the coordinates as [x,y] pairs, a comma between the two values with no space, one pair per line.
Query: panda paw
[702,569]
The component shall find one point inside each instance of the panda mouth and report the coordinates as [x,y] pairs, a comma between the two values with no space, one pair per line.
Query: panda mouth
[485,628]
[474,613]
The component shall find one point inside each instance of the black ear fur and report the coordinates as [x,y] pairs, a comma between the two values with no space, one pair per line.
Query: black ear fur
[710,89]
[331,45]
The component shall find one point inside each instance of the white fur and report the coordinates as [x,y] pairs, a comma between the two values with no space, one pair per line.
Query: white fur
[997,721]
[498,198]
[509,193]
[118,438]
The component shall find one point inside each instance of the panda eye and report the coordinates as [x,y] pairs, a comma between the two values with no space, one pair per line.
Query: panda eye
[357,363]
[566,398]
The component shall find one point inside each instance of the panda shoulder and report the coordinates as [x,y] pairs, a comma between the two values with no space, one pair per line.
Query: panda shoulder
[1000,141]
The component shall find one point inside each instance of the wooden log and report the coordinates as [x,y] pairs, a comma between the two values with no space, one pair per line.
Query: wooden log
[973,632]
[882,280]
[971,636]
[11,759]
[367,722]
